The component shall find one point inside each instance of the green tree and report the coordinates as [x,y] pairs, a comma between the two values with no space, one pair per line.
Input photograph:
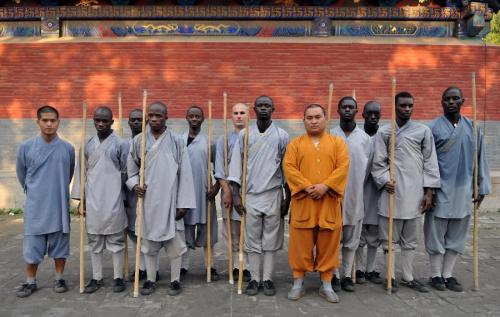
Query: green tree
[494,36]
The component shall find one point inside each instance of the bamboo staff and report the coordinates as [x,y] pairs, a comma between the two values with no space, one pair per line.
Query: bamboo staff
[330,99]
[228,210]
[125,238]
[209,187]
[391,196]
[475,257]
[354,94]
[82,197]
[140,200]
[243,201]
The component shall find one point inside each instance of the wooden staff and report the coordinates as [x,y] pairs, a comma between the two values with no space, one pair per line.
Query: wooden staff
[209,187]
[475,257]
[125,238]
[140,200]
[82,197]
[228,210]
[329,109]
[243,201]
[391,196]
[353,274]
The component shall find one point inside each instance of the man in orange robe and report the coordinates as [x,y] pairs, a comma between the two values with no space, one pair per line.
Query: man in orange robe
[316,167]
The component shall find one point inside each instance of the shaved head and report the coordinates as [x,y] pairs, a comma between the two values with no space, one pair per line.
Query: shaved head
[103,111]
[159,106]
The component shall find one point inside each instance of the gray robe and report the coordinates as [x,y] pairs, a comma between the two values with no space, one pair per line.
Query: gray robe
[371,192]
[358,141]
[455,153]
[106,164]
[264,172]
[44,170]
[415,167]
[169,181]
[232,137]
[198,157]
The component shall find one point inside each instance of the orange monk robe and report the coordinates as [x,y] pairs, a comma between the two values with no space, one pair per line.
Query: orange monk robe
[315,222]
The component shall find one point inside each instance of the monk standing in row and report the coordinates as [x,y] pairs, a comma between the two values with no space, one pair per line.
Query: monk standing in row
[316,167]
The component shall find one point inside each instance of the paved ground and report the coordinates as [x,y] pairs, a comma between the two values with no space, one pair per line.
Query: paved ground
[220,299]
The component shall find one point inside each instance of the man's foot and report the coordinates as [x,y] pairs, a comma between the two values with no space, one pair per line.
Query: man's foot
[453,285]
[214,276]
[148,288]
[373,277]
[142,275]
[247,277]
[336,284]
[60,286]
[119,285]
[184,272]
[394,285]
[438,283]
[347,284]
[252,288]
[157,276]
[416,285]
[26,290]
[360,277]
[269,289]
[93,286]
[296,293]
[330,296]
[175,288]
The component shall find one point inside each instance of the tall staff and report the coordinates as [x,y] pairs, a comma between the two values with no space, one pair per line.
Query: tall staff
[228,210]
[243,202]
[475,257]
[82,196]
[140,200]
[353,273]
[125,238]
[209,187]
[391,195]
[329,110]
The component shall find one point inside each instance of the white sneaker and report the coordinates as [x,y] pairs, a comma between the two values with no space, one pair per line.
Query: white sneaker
[296,293]
[329,295]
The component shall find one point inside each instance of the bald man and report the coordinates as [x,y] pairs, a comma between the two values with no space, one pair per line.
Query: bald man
[106,163]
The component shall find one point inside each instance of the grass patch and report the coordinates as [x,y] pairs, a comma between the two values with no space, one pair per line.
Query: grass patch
[11,211]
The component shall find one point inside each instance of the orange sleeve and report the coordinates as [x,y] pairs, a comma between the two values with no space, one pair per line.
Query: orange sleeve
[294,178]
[337,180]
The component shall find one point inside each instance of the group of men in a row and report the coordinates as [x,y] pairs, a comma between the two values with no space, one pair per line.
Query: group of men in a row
[335,184]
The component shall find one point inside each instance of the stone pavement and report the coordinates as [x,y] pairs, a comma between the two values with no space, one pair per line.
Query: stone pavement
[221,299]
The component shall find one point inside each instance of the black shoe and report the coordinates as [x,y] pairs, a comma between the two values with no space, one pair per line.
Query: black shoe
[60,286]
[347,284]
[373,277]
[142,275]
[394,285]
[416,285]
[157,276]
[93,286]
[360,277]
[148,288]
[119,285]
[184,272]
[246,276]
[252,288]
[236,274]
[214,276]
[438,283]
[175,288]
[336,284]
[453,285]
[26,290]
[269,289]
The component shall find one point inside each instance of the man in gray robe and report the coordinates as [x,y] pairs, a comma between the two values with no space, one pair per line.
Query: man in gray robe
[265,205]
[416,175]
[239,113]
[44,167]
[446,227]
[168,193]
[195,221]
[369,233]
[105,217]
[353,210]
